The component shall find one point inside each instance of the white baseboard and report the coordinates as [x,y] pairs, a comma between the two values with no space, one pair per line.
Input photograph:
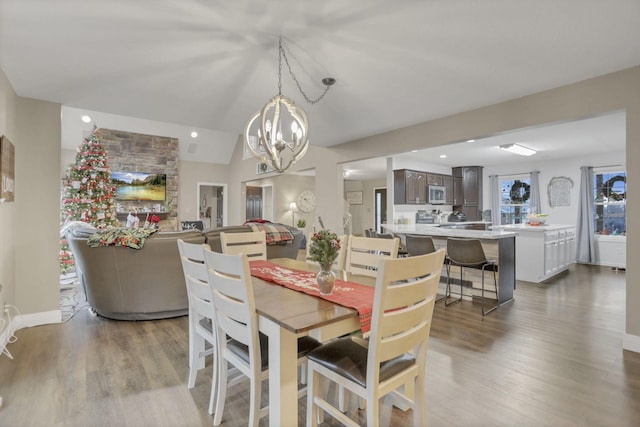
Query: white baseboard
[37,319]
[631,343]
[27,321]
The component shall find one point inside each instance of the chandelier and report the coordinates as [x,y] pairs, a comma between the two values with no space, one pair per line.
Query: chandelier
[278,134]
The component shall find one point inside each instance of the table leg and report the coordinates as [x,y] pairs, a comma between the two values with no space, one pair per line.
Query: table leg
[283,374]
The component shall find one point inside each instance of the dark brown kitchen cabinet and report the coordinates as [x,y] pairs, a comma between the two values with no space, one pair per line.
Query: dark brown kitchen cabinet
[435,179]
[409,187]
[457,190]
[470,200]
[448,185]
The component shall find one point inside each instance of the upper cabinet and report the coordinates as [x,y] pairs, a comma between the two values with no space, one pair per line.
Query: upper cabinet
[448,185]
[468,191]
[435,179]
[409,187]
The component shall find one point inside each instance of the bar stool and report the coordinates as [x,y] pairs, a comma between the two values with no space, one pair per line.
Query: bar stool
[421,245]
[469,253]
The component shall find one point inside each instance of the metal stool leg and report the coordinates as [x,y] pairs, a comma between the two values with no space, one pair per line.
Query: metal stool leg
[448,292]
[495,285]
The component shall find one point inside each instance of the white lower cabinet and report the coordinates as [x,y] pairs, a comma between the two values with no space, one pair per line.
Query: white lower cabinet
[543,251]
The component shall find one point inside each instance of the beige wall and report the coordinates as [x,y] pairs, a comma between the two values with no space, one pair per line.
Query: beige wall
[286,189]
[191,173]
[362,216]
[37,208]
[616,91]
[8,100]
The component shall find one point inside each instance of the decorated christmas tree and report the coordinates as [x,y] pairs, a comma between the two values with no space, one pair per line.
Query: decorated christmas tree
[88,194]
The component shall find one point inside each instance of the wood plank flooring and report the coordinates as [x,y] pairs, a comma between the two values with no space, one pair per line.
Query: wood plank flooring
[552,357]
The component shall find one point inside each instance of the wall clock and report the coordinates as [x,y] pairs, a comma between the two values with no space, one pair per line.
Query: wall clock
[306,201]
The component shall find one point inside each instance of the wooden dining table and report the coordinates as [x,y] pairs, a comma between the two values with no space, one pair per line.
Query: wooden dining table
[284,315]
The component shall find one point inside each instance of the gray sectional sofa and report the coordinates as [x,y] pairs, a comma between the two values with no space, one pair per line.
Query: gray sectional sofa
[147,283]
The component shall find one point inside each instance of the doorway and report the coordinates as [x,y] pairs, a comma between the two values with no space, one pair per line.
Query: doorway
[212,205]
[380,208]
[254,203]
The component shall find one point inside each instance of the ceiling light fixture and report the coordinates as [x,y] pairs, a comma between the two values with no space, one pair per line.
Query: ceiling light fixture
[443,156]
[279,132]
[518,149]
[194,134]
[86,119]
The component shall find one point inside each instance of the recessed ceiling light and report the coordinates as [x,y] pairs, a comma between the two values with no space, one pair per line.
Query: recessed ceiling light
[443,156]
[414,151]
[194,134]
[518,149]
[471,140]
[86,119]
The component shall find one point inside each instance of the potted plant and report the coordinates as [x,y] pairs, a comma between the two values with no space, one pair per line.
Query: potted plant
[301,223]
[324,250]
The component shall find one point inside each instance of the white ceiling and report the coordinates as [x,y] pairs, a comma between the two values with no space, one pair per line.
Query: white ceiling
[588,137]
[208,65]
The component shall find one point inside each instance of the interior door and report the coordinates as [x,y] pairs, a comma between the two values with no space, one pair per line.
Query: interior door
[380,197]
[254,203]
[220,196]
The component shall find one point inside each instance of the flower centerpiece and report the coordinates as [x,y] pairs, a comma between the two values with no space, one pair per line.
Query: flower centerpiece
[324,249]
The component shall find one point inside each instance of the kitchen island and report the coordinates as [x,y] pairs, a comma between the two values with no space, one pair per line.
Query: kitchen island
[543,250]
[497,244]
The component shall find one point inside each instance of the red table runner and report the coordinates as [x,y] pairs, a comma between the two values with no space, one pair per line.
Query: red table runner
[348,294]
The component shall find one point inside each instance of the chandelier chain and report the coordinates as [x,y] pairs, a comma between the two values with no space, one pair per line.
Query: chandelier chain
[281,54]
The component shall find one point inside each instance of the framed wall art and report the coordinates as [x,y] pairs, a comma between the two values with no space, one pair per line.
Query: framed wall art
[559,191]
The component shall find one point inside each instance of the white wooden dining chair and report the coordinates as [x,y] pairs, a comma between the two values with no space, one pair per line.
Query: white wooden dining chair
[201,313]
[396,351]
[254,244]
[239,340]
[365,253]
[340,261]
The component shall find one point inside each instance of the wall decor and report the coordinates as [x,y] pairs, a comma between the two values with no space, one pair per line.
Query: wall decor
[7,170]
[263,167]
[354,197]
[559,191]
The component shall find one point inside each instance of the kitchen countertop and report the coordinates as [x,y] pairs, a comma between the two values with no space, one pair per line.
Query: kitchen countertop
[532,228]
[434,230]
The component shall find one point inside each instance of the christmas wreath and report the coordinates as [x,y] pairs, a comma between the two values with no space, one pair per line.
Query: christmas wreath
[520,192]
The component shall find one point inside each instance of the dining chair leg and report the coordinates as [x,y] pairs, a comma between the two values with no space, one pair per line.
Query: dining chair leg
[221,392]
[214,381]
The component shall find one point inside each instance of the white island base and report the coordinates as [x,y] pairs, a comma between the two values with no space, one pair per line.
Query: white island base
[542,251]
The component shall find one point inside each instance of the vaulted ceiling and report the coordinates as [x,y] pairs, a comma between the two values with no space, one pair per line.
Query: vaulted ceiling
[208,65]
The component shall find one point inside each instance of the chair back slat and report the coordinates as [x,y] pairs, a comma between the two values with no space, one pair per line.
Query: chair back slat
[196,278]
[230,280]
[365,253]
[403,308]
[253,244]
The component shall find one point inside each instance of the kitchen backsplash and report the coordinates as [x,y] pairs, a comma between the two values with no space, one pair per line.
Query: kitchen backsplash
[406,214]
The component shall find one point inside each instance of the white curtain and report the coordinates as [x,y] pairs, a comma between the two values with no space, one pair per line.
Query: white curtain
[494,184]
[585,241]
[535,204]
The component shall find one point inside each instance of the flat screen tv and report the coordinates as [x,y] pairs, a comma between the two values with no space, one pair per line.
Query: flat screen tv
[139,186]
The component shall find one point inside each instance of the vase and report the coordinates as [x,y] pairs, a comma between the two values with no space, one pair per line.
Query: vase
[326,278]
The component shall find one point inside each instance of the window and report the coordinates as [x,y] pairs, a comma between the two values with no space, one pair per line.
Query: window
[610,195]
[514,200]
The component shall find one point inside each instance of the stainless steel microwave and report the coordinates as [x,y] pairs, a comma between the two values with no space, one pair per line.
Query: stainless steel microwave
[437,194]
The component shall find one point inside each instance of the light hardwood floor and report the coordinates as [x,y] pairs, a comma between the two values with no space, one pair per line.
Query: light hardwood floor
[552,357]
